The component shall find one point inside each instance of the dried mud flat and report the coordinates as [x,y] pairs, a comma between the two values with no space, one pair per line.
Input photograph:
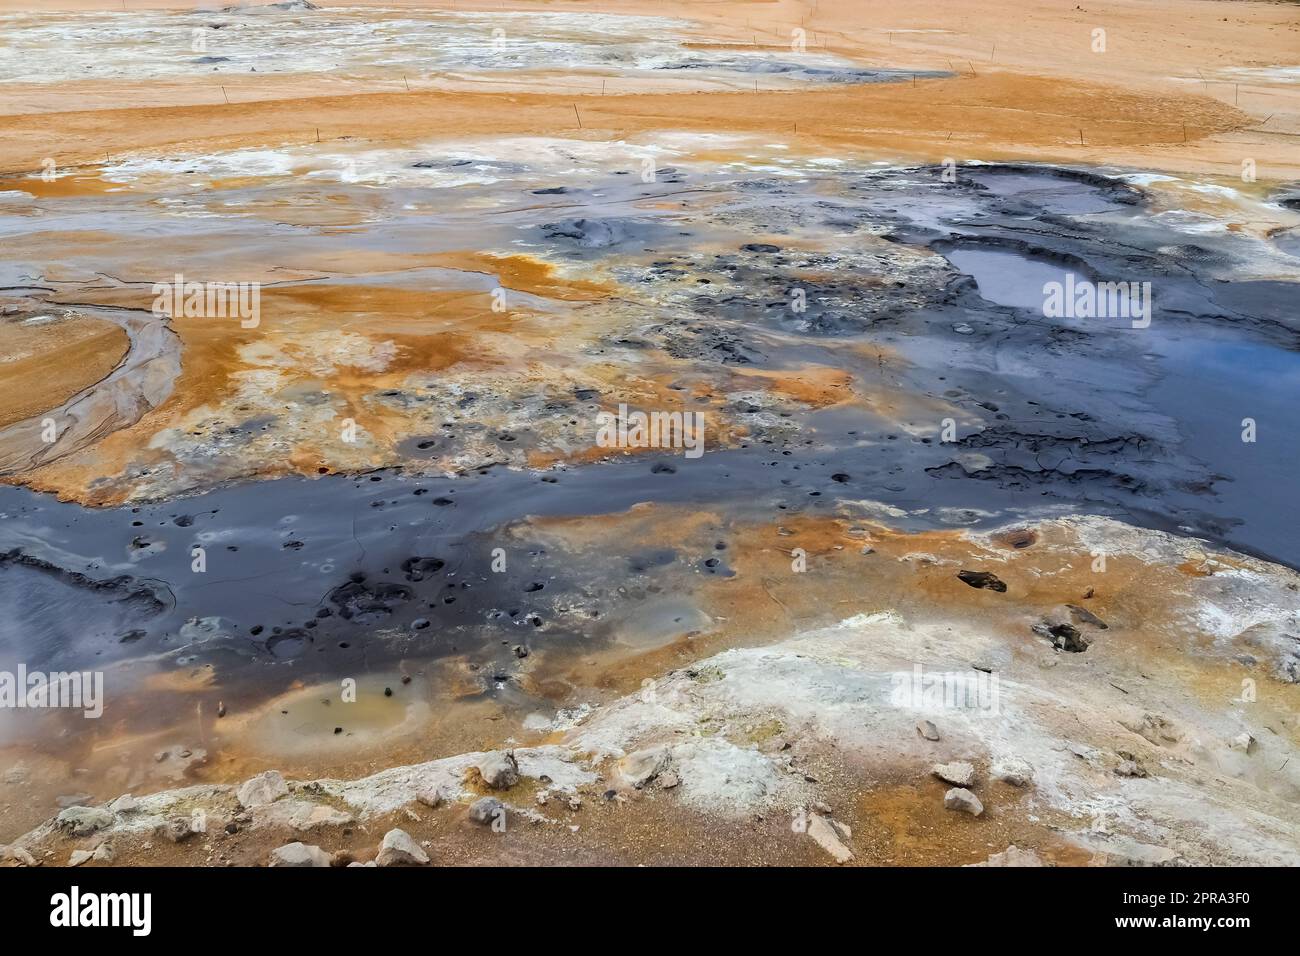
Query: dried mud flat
[954,581]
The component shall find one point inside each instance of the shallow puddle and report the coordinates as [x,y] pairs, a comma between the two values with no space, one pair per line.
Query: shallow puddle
[1008,278]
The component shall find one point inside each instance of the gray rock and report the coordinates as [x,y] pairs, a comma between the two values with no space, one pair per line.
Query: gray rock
[499,770]
[104,853]
[1013,856]
[299,854]
[1064,637]
[262,789]
[959,773]
[485,810]
[398,849]
[668,780]
[124,804]
[959,798]
[827,835]
[1013,770]
[1124,851]
[79,857]
[927,729]
[1084,616]
[1156,728]
[298,815]
[1084,752]
[431,798]
[983,579]
[177,829]
[18,855]
[637,769]
[82,821]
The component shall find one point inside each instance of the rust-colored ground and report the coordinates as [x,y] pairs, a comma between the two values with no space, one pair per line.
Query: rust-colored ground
[43,365]
[1028,84]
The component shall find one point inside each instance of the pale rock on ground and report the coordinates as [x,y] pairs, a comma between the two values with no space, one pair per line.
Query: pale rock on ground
[124,804]
[18,855]
[485,810]
[500,771]
[959,773]
[177,829]
[299,854]
[1013,856]
[398,849]
[298,815]
[959,798]
[431,798]
[262,789]
[827,833]
[637,769]
[82,821]
[1014,771]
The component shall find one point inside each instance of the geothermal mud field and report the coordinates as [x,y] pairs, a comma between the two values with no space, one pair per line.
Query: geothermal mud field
[954,577]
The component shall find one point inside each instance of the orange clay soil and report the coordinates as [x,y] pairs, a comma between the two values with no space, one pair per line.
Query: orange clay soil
[43,365]
[1028,85]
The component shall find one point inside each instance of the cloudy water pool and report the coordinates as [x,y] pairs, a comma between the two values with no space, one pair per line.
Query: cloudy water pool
[1235,404]
[1005,277]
